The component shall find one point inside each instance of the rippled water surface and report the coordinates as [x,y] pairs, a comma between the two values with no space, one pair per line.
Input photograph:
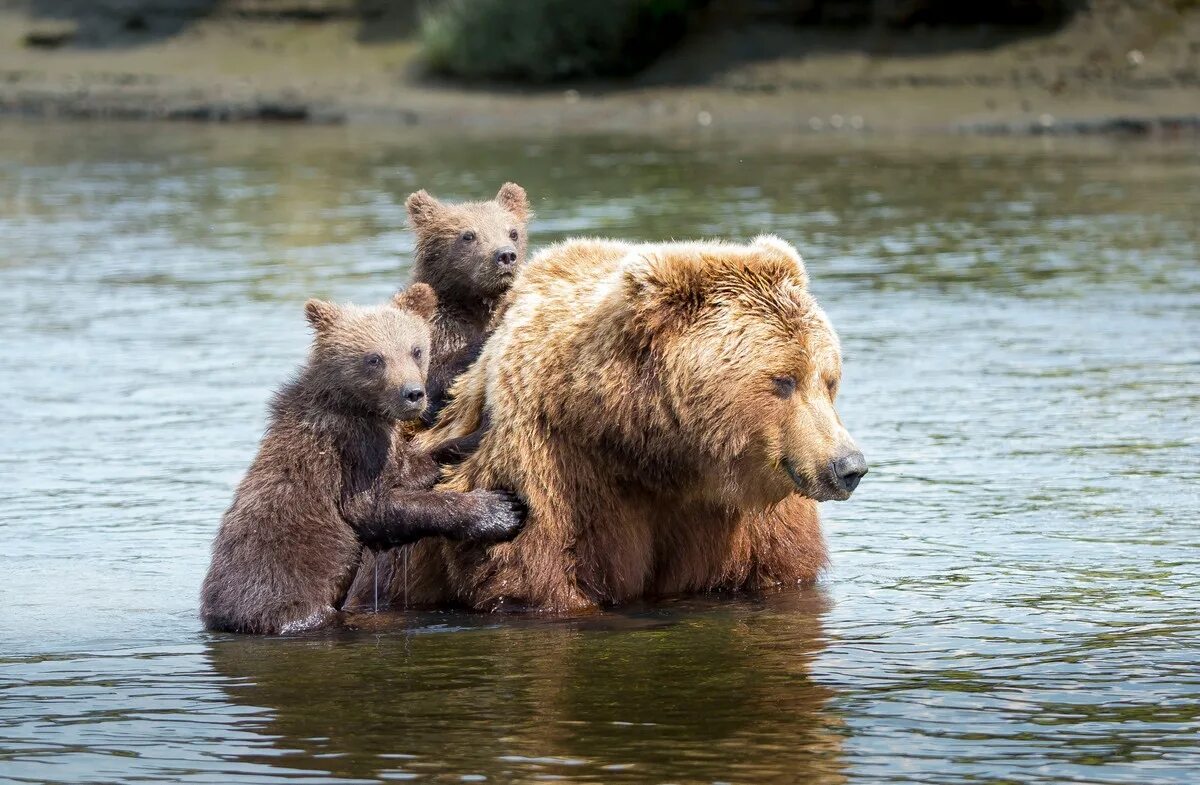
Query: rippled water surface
[1015,594]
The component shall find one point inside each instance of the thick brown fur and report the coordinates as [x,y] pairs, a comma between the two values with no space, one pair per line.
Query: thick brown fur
[336,472]
[638,405]
[469,253]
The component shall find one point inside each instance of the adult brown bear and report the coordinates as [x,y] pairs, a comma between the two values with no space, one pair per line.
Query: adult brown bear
[667,413]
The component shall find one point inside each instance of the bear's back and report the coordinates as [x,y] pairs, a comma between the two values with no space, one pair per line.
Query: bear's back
[578,263]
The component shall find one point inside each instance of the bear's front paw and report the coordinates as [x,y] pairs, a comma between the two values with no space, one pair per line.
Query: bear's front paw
[503,517]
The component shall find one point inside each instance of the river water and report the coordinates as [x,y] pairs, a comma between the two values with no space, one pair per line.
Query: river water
[1015,590]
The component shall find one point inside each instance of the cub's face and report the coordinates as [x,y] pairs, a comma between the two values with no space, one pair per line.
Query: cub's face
[476,247]
[376,357]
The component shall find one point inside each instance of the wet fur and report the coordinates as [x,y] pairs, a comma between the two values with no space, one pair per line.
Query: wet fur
[469,291]
[337,472]
[632,406]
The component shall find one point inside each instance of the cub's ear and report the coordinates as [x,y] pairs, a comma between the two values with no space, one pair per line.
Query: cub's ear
[421,207]
[418,298]
[782,252]
[513,198]
[321,315]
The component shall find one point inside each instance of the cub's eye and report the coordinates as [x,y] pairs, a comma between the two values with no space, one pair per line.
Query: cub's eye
[832,386]
[468,237]
[373,360]
[417,352]
[785,386]
[514,235]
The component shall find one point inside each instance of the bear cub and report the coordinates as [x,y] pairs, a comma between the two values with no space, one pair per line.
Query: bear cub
[469,253]
[337,472]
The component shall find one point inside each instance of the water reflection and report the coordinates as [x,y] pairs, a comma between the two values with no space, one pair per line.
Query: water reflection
[692,691]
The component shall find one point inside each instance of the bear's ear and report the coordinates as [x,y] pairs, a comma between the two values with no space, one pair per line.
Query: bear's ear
[321,315]
[663,294]
[513,198]
[421,207]
[782,252]
[418,298]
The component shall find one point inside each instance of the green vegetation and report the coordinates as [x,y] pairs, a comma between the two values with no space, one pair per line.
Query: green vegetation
[548,40]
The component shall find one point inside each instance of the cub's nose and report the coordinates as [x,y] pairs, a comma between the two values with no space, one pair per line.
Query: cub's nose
[849,469]
[506,257]
[413,393]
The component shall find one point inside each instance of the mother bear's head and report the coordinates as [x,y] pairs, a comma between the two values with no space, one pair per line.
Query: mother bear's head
[746,365]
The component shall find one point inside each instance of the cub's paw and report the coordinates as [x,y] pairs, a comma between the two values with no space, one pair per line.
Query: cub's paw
[502,518]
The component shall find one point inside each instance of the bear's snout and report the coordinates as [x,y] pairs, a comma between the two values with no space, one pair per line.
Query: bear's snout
[848,470]
[410,401]
[506,257]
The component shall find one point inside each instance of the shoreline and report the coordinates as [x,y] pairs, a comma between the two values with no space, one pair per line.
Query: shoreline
[1098,75]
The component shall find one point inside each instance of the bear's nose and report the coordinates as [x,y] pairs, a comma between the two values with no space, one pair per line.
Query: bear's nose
[849,469]
[506,257]
[413,393]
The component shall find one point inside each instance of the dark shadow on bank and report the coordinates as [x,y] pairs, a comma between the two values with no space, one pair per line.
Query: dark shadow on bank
[697,690]
[717,34]
[95,24]
[730,33]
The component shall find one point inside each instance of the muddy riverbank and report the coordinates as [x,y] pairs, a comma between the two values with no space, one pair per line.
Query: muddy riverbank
[1105,70]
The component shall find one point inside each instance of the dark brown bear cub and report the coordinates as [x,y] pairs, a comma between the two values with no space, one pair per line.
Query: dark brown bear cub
[337,472]
[469,253]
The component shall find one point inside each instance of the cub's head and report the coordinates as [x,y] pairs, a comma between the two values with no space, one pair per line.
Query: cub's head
[750,367]
[470,250]
[374,359]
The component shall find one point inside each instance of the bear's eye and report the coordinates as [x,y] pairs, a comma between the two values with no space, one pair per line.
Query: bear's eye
[468,237]
[417,352]
[373,361]
[785,386]
[832,386]
[513,235]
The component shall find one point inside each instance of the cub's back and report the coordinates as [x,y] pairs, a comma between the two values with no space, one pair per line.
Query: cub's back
[279,556]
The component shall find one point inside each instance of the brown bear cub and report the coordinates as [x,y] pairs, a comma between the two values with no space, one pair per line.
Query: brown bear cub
[337,472]
[469,253]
